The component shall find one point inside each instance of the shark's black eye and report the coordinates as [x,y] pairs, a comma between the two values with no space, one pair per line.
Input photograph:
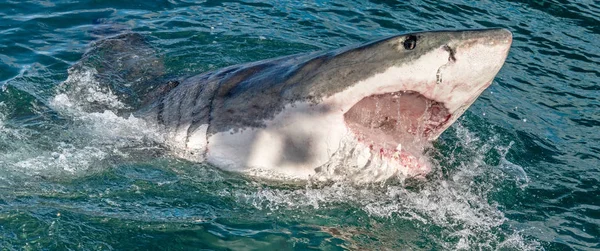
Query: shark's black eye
[410,42]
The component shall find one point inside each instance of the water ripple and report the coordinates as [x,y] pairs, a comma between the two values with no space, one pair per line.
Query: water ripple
[542,189]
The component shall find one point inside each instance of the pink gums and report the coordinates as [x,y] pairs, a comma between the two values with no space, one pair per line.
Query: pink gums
[395,126]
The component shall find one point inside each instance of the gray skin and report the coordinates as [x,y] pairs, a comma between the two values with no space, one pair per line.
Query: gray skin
[246,95]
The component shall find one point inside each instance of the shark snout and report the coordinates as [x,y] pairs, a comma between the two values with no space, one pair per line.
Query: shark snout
[490,36]
[498,42]
[503,36]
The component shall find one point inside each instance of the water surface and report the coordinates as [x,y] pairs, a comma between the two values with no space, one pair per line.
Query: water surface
[519,171]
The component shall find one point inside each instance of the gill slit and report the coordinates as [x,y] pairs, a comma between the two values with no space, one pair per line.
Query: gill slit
[209,121]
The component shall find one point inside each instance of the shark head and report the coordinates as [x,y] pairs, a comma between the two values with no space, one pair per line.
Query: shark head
[291,115]
[428,81]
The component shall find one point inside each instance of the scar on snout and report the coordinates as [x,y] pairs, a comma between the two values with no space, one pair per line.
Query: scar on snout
[452,53]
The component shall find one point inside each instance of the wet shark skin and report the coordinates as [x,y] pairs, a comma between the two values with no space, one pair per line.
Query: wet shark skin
[288,113]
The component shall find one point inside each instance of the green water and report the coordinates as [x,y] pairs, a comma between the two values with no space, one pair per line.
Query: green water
[519,171]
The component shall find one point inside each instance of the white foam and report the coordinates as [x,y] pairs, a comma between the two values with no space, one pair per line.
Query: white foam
[8,133]
[2,117]
[106,124]
[516,242]
[66,158]
[83,90]
[85,140]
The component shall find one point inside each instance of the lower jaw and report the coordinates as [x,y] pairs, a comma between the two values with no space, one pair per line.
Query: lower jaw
[400,161]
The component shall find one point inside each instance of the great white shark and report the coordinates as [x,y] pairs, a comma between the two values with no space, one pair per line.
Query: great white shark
[290,115]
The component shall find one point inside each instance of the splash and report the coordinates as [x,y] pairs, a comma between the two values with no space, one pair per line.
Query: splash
[84,141]
[454,201]
[513,171]
[82,92]
[66,157]
[356,163]
[2,118]
[106,125]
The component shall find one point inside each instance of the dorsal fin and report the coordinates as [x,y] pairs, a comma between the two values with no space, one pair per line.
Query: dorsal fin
[125,65]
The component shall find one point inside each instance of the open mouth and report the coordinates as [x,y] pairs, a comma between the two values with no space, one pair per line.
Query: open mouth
[396,125]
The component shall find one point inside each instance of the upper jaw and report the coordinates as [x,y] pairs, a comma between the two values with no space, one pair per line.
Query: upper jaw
[451,75]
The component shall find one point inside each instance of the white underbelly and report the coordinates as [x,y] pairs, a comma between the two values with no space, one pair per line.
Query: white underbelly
[294,143]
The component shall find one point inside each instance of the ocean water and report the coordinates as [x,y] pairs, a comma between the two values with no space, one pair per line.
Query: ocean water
[519,171]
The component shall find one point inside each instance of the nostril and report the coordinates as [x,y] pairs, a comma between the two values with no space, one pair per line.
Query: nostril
[452,56]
